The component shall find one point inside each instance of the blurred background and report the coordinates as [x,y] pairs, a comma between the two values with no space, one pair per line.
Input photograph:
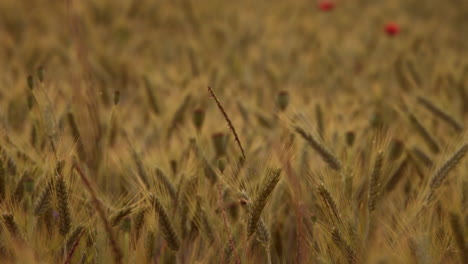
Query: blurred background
[120,87]
[318,51]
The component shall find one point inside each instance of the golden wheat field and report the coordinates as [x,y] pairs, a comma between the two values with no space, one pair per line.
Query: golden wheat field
[183,131]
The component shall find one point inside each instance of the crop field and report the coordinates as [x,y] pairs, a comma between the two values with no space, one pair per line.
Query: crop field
[183,131]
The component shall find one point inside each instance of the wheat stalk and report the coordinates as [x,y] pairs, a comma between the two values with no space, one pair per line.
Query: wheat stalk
[226,226]
[76,136]
[73,247]
[231,127]
[97,204]
[2,181]
[458,234]
[139,222]
[319,120]
[72,237]
[203,221]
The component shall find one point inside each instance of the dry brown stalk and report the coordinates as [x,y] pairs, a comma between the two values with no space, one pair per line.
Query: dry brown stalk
[231,126]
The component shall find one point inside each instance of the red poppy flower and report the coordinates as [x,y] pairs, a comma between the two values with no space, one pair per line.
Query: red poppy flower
[392,29]
[326,5]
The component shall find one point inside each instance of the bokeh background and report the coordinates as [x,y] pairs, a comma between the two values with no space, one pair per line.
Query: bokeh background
[351,72]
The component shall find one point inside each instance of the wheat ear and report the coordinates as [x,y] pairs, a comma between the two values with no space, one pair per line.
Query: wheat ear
[374,182]
[440,113]
[273,177]
[139,222]
[326,154]
[441,174]
[119,215]
[43,200]
[343,246]
[12,226]
[331,205]
[396,176]
[428,138]
[165,225]
[63,206]
[166,183]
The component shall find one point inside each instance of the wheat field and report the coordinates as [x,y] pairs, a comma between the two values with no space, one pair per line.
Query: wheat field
[157,131]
